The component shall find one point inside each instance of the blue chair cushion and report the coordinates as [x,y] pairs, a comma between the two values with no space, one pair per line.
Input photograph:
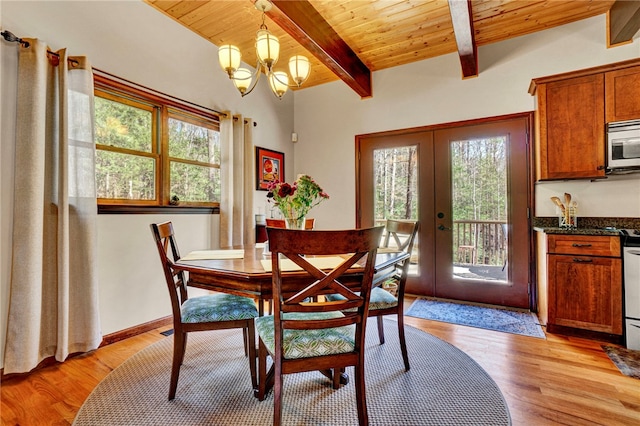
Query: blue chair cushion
[379,299]
[218,307]
[307,343]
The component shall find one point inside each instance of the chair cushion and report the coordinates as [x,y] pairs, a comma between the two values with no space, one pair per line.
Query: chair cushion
[307,343]
[218,307]
[379,299]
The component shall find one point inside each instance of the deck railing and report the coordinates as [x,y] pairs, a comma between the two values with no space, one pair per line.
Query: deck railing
[476,242]
[479,242]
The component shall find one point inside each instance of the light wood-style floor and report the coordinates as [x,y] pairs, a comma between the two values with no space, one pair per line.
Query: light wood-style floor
[557,381]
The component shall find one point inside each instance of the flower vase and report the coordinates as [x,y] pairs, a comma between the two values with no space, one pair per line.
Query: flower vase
[295,223]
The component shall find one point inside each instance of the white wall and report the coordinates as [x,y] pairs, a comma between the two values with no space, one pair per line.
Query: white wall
[328,117]
[132,40]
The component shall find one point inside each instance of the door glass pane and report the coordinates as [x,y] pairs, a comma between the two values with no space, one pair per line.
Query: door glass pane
[479,208]
[396,189]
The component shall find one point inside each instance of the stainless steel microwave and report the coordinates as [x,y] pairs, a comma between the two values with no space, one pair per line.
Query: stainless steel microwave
[623,145]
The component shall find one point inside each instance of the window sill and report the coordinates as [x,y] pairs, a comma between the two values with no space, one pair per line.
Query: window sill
[130,209]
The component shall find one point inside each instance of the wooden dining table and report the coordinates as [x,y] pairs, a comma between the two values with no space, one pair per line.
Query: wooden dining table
[246,276]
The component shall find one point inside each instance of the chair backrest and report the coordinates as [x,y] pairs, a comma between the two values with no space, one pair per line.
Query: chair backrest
[300,246]
[168,250]
[276,223]
[280,223]
[403,235]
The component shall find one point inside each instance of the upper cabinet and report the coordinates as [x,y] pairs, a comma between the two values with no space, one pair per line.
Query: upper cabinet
[571,115]
[622,88]
[570,128]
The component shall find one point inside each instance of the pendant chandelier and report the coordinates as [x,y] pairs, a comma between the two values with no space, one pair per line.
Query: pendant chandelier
[267,51]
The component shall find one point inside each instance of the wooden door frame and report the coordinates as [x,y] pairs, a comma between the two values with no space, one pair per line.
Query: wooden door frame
[529,116]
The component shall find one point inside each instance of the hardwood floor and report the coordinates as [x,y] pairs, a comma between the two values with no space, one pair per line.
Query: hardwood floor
[557,381]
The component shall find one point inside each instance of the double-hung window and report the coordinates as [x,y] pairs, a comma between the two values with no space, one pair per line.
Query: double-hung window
[153,150]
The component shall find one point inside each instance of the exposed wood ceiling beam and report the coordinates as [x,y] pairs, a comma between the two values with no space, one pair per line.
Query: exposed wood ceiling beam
[623,21]
[462,19]
[303,22]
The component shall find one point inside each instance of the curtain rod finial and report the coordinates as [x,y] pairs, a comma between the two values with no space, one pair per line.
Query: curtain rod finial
[9,36]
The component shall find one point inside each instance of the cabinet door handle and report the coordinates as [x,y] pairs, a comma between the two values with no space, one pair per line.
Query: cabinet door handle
[576,260]
[580,245]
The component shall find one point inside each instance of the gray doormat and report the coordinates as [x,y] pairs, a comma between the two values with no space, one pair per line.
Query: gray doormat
[627,360]
[480,316]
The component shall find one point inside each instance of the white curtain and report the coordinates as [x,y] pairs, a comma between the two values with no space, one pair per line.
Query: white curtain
[237,227]
[53,306]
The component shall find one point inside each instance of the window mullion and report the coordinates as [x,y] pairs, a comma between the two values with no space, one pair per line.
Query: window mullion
[164,177]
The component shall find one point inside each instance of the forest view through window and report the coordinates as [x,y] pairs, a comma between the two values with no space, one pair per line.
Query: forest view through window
[479,203]
[149,152]
[396,189]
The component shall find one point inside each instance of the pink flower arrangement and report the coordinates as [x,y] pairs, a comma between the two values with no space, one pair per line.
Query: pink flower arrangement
[296,200]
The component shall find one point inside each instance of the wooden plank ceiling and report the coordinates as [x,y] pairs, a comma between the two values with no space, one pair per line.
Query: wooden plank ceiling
[348,39]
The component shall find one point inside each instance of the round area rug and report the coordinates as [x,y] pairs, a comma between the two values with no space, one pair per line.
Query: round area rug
[444,387]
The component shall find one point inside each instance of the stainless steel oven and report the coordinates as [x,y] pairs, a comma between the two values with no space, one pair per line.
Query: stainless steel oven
[631,265]
[623,145]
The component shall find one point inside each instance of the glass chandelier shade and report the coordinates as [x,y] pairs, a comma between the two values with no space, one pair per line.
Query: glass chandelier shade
[279,82]
[242,79]
[267,51]
[299,68]
[267,48]
[229,57]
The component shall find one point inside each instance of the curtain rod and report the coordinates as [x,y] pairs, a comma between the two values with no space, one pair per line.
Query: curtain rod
[10,37]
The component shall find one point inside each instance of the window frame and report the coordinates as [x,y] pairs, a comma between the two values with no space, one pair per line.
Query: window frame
[162,107]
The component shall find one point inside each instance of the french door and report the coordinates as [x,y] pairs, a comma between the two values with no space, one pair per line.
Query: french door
[468,185]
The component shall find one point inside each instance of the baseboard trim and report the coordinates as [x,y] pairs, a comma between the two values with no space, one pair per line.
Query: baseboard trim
[585,334]
[136,330]
[106,340]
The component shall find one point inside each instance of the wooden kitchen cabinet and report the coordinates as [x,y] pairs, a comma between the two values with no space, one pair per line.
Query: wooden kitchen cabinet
[570,123]
[622,89]
[584,284]
[572,110]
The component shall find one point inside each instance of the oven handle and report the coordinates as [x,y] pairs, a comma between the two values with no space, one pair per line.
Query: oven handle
[634,252]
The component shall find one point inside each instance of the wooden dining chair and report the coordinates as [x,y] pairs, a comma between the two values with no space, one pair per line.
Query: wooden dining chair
[399,236]
[281,223]
[209,312]
[308,333]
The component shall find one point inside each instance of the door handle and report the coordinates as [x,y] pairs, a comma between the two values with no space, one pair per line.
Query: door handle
[582,260]
[580,245]
[443,228]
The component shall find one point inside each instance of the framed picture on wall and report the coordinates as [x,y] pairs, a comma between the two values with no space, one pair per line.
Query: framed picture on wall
[269,167]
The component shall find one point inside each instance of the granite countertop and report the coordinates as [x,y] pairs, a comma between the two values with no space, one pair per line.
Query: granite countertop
[608,226]
[577,231]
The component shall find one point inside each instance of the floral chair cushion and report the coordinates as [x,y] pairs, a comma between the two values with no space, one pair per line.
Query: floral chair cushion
[379,299]
[218,307]
[307,343]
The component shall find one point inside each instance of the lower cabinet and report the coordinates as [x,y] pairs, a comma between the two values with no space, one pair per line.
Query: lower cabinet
[584,283]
